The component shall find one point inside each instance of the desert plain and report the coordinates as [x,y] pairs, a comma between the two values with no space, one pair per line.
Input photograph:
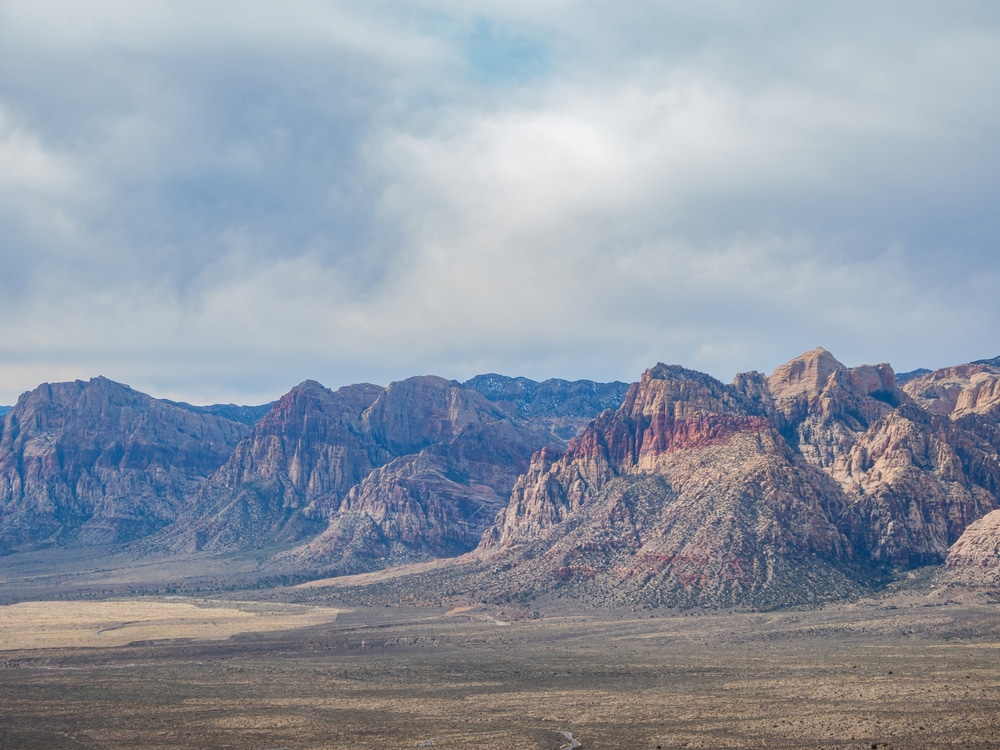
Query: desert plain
[306,668]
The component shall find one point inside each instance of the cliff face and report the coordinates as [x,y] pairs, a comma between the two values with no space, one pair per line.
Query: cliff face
[685,495]
[97,463]
[415,469]
[974,560]
[437,499]
[956,392]
[819,467]
[305,453]
[912,480]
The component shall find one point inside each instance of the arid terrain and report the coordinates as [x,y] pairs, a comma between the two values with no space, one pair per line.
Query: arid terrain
[910,670]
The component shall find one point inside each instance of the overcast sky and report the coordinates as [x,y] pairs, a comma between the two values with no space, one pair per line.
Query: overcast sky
[214,200]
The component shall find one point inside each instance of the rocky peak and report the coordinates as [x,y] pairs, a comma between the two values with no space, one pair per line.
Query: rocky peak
[97,461]
[678,393]
[306,429]
[805,376]
[411,414]
[817,386]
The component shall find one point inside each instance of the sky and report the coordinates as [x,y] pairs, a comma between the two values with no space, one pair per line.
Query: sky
[213,201]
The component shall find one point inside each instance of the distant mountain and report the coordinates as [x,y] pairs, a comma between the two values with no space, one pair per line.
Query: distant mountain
[995,362]
[408,472]
[248,415]
[905,377]
[566,406]
[550,398]
[4,410]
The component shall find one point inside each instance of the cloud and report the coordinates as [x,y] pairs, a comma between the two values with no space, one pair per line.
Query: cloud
[217,200]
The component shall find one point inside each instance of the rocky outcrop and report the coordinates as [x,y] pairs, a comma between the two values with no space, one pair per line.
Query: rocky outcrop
[914,482]
[434,502]
[98,463]
[957,392]
[417,469]
[685,495]
[819,465]
[975,558]
[822,406]
[305,453]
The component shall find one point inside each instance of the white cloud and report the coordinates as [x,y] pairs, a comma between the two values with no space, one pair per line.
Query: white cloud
[200,195]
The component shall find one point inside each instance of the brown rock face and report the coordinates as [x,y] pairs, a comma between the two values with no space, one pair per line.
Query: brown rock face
[433,503]
[956,392]
[97,462]
[912,481]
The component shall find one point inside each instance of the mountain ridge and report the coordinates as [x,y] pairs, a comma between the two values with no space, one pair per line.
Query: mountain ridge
[812,483]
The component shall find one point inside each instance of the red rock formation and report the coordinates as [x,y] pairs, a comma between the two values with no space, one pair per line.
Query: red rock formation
[867,475]
[684,495]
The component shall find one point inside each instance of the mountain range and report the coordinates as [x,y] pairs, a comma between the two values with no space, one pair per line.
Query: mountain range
[815,482]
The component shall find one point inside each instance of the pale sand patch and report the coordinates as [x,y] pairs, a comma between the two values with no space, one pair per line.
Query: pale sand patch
[116,623]
[363,579]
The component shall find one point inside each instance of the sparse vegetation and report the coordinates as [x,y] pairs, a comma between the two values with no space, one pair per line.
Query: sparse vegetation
[384,677]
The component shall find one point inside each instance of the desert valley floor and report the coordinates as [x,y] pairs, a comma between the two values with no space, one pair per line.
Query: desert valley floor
[907,670]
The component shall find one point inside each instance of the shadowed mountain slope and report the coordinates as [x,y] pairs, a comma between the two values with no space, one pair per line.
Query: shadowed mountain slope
[98,463]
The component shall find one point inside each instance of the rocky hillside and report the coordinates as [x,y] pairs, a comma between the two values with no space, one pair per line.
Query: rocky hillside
[97,463]
[411,471]
[974,560]
[791,488]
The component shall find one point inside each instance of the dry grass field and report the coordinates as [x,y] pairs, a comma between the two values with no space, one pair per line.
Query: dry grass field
[63,624]
[908,674]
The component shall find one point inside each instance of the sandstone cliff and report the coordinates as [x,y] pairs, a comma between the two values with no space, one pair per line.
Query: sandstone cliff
[413,470]
[687,494]
[975,558]
[97,463]
[912,481]
[462,457]
[308,450]
[818,467]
